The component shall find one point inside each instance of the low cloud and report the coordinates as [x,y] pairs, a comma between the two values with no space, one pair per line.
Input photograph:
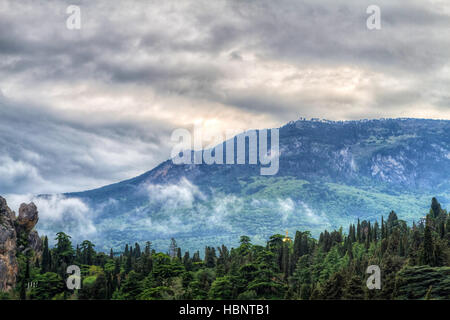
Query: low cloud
[319,219]
[222,208]
[183,207]
[289,210]
[58,213]
[178,195]
[287,207]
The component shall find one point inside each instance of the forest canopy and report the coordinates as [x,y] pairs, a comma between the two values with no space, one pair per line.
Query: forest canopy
[414,262]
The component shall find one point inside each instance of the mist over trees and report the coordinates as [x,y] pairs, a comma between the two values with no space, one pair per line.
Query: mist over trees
[414,262]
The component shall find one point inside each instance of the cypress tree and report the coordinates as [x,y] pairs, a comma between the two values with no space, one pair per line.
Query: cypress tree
[374,232]
[187,262]
[117,267]
[435,208]
[46,264]
[128,264]
[137,250]
[285,260]
[148,246]
[358,231]
[427,248]
[333,287]
[442,229]
[354,289]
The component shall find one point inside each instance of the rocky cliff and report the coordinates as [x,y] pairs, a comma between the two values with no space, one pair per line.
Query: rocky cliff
[16,236]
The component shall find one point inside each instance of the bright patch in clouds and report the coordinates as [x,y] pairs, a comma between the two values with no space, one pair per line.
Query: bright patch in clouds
[83,108]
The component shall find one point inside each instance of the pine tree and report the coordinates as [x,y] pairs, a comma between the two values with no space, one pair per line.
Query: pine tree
[148,246]
[298,247]
[427,252]
[333,288]
[137,250]
[210,257]
[64,251]
[375,231]
[187,262]
[442,229]
[358,231]
[435,208]
[78,257]
[128,264]
[46,258]
[87,252]
[285,260]
[116,267]
[354,289]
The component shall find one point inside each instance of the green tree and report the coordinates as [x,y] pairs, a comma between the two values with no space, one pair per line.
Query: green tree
[46,257]
[354,289]
[87,252]
[332,289]
[64,251]
[427,250]
[131,288]
[222,288]
[49,285]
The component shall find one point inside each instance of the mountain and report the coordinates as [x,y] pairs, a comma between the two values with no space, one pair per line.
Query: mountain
[330,174]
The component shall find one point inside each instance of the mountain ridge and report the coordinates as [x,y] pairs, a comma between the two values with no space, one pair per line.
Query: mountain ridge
[331,173]
[313,120]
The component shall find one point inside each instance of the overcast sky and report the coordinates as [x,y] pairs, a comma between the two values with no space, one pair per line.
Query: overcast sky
[83,108]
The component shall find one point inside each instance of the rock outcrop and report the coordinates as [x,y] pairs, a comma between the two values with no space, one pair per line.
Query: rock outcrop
[28,216]
[12,228]
[8,247]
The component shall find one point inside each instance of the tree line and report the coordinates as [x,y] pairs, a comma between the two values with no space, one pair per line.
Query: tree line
[414,262]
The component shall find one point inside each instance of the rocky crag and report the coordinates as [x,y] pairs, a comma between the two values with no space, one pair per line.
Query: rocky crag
[17,236]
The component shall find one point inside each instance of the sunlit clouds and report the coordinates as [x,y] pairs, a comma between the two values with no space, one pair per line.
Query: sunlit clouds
[83,108]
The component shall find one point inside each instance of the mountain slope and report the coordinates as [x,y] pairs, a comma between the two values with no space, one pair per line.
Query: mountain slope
[331,173]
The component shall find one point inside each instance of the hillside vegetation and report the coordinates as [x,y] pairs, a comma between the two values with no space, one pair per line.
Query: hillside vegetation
[414,262]
[331,174]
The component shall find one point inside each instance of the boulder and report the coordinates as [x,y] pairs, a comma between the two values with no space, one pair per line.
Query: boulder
[28,216]
[12,228]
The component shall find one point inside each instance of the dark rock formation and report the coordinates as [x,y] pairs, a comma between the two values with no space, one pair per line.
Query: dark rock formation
[8,250]
[10,229]
[35,242]
[28,216]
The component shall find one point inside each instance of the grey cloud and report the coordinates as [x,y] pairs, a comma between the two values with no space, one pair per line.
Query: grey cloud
[46,152]
[194,50]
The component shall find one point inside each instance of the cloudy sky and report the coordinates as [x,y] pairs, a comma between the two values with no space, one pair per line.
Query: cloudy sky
[84,108]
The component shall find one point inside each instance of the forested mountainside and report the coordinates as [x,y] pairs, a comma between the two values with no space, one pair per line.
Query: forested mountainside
[331,174]
[414,261]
